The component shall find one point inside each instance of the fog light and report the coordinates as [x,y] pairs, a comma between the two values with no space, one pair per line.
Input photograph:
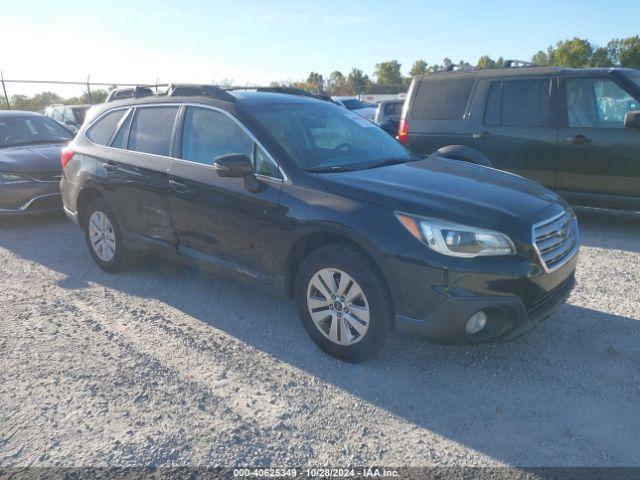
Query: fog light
[476,322]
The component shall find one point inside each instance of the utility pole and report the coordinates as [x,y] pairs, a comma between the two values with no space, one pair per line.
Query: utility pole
[4,88]
[88,88]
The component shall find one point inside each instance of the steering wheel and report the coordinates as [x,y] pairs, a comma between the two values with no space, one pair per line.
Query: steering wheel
[15,138]
[343,146]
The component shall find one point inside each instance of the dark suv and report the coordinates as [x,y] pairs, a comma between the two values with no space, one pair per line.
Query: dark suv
[315,202]
[576,131]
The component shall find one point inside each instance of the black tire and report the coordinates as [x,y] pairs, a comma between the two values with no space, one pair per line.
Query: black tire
[363,271]
[122,256]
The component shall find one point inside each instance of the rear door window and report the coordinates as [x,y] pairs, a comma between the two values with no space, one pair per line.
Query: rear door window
[100,132]
[152,129]
[527,103]
[442,98]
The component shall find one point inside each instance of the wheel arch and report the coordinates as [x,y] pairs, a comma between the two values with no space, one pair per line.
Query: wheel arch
[310,241]
[86,195]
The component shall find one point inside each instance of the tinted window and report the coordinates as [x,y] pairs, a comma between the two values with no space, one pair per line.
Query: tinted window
[264,166]
[208,134]
[492,110]
[442,98]
[393,108]
[120,140]
[101,131]
[526,103]
[597,102]
[321,135]
[151,130]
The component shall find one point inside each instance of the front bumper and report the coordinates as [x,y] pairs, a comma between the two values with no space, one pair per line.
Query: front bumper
[508,317]
[29,198]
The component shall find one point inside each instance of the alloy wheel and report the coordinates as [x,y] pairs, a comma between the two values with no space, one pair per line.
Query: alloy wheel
[102,236]
[338,306]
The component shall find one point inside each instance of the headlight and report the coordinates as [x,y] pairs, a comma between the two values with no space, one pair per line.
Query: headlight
[457,240]
[6,178]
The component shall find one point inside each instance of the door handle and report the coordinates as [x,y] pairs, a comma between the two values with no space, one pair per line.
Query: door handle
[180,187]
[481,135]
[577,140]
[111,166]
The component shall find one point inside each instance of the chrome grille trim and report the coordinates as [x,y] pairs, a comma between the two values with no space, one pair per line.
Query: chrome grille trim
[556,240]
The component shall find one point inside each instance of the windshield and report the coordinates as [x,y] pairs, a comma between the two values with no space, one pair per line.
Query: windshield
[31,130]
[327,137]
[634,77]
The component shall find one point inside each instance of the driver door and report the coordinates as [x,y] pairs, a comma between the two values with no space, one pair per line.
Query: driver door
[598,158]
[217,219]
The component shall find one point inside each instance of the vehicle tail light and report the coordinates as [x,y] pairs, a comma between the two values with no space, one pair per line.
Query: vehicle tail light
[403,130]
[66,154]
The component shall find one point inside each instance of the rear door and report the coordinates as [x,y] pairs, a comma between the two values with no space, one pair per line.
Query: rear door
[136,166]
[513,123]
[217,219]
[599,159]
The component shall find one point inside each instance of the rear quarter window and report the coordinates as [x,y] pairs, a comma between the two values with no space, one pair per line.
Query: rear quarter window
[100,132]
[152,129]
[442,98]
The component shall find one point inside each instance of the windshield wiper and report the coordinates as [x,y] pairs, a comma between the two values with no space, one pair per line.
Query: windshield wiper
[329,169]
[387,162]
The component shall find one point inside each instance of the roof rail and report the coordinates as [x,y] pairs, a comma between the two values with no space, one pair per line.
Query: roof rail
[518,64]
[286,90]
[128,92]
[193,89]
[455,67]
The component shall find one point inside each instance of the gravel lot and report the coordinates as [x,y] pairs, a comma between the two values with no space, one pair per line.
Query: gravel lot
[167,365]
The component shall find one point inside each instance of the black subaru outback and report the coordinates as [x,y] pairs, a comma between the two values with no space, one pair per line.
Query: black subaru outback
[576,131]
[317,203]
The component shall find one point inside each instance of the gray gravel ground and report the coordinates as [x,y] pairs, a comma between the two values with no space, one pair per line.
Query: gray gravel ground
[167,365]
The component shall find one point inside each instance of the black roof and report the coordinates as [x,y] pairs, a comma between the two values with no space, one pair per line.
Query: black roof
[229,101]
[526,71]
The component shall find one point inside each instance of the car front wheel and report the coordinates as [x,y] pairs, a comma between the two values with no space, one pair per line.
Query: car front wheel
[343,302]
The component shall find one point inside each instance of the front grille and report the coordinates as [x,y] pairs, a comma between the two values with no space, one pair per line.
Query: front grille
[556,240]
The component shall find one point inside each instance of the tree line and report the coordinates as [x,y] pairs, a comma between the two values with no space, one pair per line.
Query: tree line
[387,76]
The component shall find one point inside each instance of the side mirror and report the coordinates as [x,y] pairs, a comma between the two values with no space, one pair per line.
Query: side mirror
[235,165]
[632,119]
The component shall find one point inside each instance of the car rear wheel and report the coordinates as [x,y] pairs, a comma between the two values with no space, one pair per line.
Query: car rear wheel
[103,236]
[343,302]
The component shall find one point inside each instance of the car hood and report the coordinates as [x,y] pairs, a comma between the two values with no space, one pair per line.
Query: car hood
[448,189]
[31,158]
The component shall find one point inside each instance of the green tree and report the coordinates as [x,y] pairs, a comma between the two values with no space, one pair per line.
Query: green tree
[338,84]
[315,82]
[388,73]
[358,80]
[485,62]
[540,58]
[600,58]
[625,51]
[418,68]
[574,53]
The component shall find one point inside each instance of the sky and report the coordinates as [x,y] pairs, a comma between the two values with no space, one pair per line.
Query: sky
[257,42]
